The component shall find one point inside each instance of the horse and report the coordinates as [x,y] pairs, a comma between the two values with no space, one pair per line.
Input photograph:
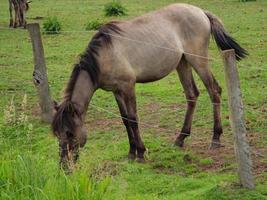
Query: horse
[20,7]
[141,50]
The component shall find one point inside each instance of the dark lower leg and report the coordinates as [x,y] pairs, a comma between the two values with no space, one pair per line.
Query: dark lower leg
[16,20]
[217,128]
[214,90]
[186,129]
[132,150]
[123,112]
[130,102]
[133,121]
[191,93]
[11,20]
[10,15]
[137,138]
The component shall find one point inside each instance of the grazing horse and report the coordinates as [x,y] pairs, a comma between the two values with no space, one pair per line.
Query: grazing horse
[20,7]
[140,50]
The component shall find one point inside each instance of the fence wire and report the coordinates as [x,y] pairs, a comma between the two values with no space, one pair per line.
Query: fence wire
[193,137]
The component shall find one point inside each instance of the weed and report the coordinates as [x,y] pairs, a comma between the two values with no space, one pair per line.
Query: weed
[10,113]
[29,153]
[51,25]
[114,8]
[94,24]
[206,161]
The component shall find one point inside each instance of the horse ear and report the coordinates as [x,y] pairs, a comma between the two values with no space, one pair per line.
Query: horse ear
[56,105]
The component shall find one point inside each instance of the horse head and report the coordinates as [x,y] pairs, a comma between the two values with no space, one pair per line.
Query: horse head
[68,128]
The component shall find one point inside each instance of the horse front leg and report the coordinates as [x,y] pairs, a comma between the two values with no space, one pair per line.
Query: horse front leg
[23,18]
[10,14]
[124,115]
[23,8]
[130,102]
[17,15]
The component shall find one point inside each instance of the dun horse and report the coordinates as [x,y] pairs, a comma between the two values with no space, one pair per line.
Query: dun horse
[20,7]
[141,50]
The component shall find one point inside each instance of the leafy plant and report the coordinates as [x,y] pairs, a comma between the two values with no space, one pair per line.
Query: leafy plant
[114,8]
[94,24]
[52,25]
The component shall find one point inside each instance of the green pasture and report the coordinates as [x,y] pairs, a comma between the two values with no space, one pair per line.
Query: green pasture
[29,152]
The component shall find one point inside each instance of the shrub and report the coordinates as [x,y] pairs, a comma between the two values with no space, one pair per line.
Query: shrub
[51,25]
[114,8]
[94,24]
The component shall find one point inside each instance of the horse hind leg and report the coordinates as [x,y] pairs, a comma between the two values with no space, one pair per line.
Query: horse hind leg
[201,67]
[191,92]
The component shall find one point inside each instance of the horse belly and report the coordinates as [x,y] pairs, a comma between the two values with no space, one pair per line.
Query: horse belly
[155,67]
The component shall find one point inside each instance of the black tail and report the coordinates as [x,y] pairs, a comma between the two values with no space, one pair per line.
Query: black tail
[223,40]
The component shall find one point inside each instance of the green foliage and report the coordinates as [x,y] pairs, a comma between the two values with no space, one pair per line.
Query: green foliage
[51,25]
[29,152]
[114,8]
[246,0]
[94,24]
[27,173]
[227,192]
[206,161]
[32,176]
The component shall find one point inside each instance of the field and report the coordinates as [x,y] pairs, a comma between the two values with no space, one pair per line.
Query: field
[29,152]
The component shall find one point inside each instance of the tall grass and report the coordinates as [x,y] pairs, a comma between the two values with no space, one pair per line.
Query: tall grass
[29,164]
[31,177]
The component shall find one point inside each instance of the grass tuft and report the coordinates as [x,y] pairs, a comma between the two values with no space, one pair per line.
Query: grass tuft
[94,24]
[51,25]
[114,8]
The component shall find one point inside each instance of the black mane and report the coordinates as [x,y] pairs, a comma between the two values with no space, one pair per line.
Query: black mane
[88,62]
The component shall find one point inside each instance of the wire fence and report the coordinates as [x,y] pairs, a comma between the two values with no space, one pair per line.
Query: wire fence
[143,124]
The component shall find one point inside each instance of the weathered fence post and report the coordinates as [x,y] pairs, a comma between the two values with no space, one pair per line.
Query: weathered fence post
[242,149]
[39,73]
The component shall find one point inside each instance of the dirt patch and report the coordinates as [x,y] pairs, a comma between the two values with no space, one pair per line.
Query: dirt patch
[105,124]
[105,169]
[37,18]
[165,170]
[223,159]
[36,111]
[152,107]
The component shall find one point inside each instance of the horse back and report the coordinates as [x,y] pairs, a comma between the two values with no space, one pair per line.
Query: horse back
[149,47]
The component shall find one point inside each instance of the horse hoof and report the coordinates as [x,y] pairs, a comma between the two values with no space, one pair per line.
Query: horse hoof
[131,156]
[179,143]
[140,160]
[215,144]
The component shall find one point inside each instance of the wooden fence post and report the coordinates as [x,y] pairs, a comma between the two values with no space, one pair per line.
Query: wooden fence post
[39,73]
[242,149]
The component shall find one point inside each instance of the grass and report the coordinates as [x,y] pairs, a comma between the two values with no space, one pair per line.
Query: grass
[94,24]
[29,152]
[51,26]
